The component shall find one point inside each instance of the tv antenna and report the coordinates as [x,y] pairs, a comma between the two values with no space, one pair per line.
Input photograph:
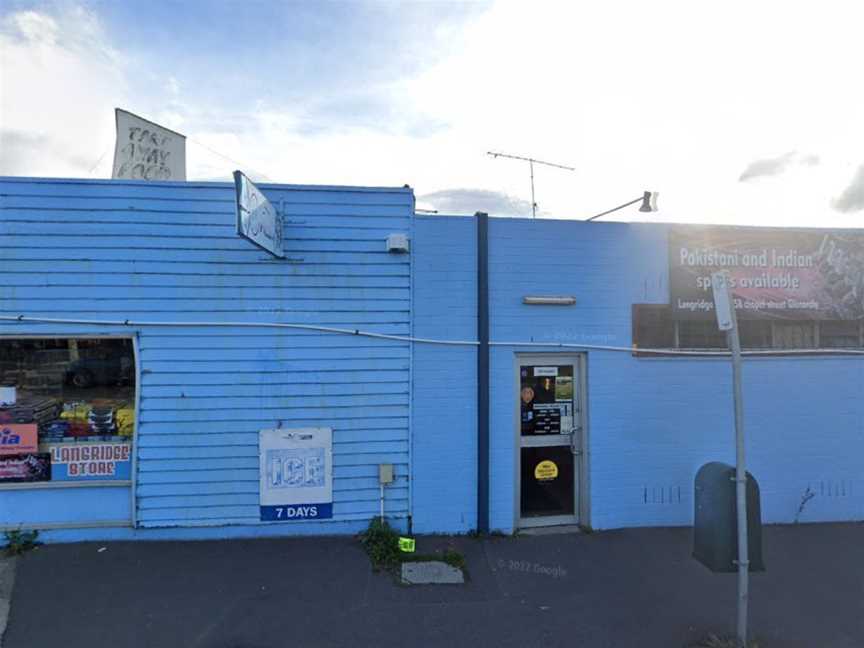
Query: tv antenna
[531,162]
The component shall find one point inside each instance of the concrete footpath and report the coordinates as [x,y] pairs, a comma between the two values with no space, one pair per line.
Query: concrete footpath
[618,589]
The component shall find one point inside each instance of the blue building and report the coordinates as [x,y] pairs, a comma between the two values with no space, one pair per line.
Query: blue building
[150,345]
[645,422]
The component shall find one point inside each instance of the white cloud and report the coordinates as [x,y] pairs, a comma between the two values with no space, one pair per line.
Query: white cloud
[61,80]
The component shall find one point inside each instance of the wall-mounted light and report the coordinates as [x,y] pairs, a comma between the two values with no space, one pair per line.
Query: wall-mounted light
[549,300]
[648,200]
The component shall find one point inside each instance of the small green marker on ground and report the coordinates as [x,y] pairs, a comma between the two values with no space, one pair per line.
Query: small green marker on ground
[406,544]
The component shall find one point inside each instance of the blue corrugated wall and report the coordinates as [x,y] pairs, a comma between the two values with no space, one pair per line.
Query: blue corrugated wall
[652,421]
[169,252]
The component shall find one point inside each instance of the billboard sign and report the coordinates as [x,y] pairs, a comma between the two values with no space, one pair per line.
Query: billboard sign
[296,474]
[147,151]
[773,273]
[98,461]
[257,220]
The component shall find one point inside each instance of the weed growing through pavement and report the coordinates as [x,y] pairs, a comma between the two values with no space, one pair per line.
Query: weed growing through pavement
[381,543]
[18,541]
[806,497]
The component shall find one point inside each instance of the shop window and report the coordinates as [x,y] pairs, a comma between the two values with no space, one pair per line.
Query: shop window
[840,335]
[66,409]
[754,334]
[653,326]
[794,335]
[700,334]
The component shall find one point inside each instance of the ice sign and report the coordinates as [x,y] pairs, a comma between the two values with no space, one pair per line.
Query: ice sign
[298,468]
[296,474]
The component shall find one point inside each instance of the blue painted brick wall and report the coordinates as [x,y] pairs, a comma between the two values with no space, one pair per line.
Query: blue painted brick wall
[445,389]
[653,421]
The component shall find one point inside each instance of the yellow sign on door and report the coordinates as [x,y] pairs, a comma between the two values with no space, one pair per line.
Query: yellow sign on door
[545,470]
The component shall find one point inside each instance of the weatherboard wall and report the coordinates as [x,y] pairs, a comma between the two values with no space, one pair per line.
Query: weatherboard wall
[652,421]
[169,253]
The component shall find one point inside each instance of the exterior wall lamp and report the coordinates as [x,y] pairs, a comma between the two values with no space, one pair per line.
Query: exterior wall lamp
[648,200]
[549,300]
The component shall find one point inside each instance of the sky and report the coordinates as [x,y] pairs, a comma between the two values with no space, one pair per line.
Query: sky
[736,113]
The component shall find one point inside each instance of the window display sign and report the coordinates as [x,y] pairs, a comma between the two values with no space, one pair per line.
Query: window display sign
[296,478]
[547,400]
[31,467]
[90,461]
[780,274]
[18,438]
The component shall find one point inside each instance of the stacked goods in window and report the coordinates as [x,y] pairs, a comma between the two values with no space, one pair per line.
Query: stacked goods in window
[125,416]
[74,421]
[30,409]
[103,425]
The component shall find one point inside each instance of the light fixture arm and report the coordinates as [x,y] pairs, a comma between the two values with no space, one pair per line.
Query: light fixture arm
[648,200]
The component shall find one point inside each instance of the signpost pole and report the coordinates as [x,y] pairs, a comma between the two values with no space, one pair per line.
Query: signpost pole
[728,322]
[740,489]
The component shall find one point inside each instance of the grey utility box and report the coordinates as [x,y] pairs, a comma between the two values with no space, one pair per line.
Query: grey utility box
[715,530]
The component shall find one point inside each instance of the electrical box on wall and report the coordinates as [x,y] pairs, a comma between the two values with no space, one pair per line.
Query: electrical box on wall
[385,473]
[398,243]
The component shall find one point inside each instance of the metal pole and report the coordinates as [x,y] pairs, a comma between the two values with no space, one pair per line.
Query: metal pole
[614,209]
[482,372]
[740,489]
[530,161]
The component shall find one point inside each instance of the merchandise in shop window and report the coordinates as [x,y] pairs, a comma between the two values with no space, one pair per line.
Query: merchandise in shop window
[73,401]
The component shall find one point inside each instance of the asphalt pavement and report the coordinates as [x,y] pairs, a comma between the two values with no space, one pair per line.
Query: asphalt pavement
[634,588]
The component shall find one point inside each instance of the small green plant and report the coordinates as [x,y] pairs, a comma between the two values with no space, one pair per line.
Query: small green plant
[806,497]
[18,541]
[381,543]
[454,559]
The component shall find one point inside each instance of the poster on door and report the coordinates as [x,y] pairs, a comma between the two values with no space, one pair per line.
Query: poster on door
[546,394]
[296,474]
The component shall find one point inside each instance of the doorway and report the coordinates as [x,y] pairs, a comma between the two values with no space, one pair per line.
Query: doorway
[550,433]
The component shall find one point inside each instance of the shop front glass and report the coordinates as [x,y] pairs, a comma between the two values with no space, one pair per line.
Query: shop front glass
[66,410]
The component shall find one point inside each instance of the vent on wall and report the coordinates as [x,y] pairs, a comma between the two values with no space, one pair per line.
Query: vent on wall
[661,494]
[830,488]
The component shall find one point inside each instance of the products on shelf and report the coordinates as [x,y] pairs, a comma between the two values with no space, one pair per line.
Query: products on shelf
[82,440]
